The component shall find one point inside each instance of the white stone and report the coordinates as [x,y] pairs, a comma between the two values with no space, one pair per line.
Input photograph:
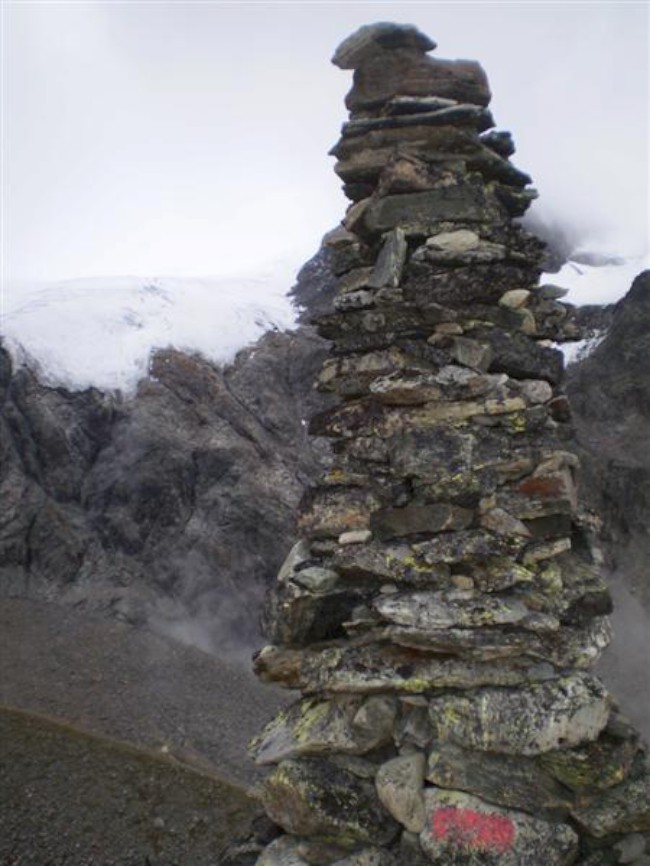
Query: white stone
[355,536]
[458,242]
[400,784]
[515,298]
[536,390]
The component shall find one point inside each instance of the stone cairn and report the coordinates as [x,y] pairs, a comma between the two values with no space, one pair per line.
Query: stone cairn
[443,607]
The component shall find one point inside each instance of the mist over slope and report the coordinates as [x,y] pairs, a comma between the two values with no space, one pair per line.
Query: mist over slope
[173,507]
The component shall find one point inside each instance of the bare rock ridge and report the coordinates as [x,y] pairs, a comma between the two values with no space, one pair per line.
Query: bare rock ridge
[168,509]
[610,395]
[443,607]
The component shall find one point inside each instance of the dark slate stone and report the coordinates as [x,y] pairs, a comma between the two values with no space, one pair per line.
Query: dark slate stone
[407,72]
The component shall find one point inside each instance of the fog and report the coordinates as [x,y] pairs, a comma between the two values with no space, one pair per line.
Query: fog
[190,139]
[624,667]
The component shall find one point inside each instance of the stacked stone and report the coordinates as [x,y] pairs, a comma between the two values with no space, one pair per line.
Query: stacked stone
[443,607]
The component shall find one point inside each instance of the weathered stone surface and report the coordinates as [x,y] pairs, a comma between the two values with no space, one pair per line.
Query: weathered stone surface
[501,142]
[461,113]
[384,421]
[349,726]
[464,608]
[467,545]
[630,848]
[388,269]
[459,287]
[407,72]
[406,388]
[385,35]
[594,766]
[535,390]
[487,644]
[355,536]
[421,212]
[498,572]
[389,523]
[360,300]
[380,324]
[500,521]
[463,830]
[383,169]
[298,555]
[444,147]
[327,513]
[460,252]
[316,579]
[515,298]
[521,358]
[470,353]
[352,375]
[396,562]
[295,617]
[400,784]
[313,797]
[622,809]
[369,158]
[517,782]
[567,647]
[527,721]
[374,669]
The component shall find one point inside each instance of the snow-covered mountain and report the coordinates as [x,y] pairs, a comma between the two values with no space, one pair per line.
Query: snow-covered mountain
[101,332]
[598,282]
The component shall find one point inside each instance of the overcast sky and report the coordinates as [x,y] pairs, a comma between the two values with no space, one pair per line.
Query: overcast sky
[186,139]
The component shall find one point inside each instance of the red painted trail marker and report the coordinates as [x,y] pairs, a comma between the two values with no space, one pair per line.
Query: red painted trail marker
[473,830]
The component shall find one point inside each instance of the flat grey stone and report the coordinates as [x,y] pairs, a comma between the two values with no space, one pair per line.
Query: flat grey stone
[382,35]
[462,830]
[528,721]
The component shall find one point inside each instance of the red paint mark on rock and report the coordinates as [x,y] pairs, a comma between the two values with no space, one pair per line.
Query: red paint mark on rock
[471,829]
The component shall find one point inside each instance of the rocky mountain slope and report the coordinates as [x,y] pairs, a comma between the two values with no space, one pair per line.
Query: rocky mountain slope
[173,508]
[610,394]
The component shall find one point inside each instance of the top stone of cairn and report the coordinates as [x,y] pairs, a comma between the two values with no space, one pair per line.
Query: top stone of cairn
[392,60]
[384,34]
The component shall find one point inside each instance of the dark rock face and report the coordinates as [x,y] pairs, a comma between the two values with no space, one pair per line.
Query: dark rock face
[387,73]
[622,360]
[174,505]
[610,396]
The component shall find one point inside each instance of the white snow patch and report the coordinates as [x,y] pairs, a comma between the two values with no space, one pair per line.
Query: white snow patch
[579,350]
[100,332]
[603,284]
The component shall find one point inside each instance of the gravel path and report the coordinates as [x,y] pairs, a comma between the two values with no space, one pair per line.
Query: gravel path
[75,799]
[131,685]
